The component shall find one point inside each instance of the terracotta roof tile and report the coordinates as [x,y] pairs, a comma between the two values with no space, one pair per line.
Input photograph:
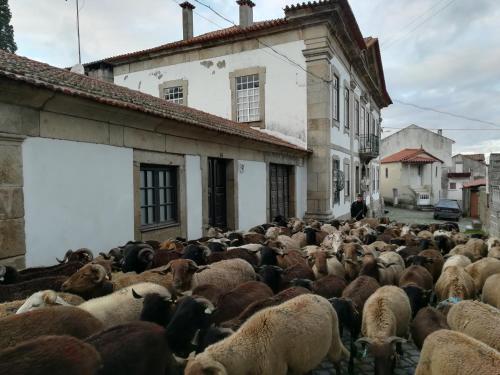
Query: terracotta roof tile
[60,80]
[475,183]
[203,38]
[411,155]
[459,175]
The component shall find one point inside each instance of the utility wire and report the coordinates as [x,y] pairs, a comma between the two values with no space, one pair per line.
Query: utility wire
[389,45]
[446,113]
[265,44]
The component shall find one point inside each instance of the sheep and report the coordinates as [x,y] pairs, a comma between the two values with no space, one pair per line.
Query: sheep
[290,258]
[386,319]
[455,282]
[477,320]
[271,276]
[156,308]
[41,299]
[417,282]
[287,243]
[456,260]
[61,320]
[226,274]
[463,250]
[25,289]
[9,275]
[360,290]
[80,255]
[121,306]
[191,314]
[430,259]
[491,291]
[297,271]
[137,256]
[134,348]
[55,355]
[234,253]
[326,264]
[481,270]
[269,344]
[329,286]
[210,292]
[494,252]
[232,303]
[448,352]
[477,247]
[385,274]
[426,321]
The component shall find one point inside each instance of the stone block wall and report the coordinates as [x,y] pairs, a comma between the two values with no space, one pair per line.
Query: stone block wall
[494,189]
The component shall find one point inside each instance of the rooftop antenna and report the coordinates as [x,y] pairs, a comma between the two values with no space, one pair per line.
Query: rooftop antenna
[78,31]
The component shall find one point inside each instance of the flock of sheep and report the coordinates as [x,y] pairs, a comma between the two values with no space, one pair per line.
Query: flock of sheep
[273,300]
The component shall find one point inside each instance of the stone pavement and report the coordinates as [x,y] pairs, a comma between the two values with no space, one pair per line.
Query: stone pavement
[420,217]
[405,365]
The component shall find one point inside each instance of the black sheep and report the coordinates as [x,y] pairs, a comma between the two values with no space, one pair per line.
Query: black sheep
[197,253]
[268,256]
[137,256]
[271,275]
[156,308]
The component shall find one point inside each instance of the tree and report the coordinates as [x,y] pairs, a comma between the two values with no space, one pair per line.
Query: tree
[7,42]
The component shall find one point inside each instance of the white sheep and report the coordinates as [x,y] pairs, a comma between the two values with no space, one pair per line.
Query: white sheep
[121,306]
[291,338]
[448,352]
[491,291]
[326,264]
[456,260]
[477,320]
[394,266]
[41,299]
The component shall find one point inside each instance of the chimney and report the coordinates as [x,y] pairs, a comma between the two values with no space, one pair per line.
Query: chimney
[187,19]
[246,12]
[440,131]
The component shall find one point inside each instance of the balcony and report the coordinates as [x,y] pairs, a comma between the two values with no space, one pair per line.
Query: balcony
[369,147]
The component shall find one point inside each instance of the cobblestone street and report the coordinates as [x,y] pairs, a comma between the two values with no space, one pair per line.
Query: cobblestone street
[420,217]
[364,366]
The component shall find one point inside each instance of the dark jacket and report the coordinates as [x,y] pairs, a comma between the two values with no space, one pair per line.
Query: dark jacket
[358,210]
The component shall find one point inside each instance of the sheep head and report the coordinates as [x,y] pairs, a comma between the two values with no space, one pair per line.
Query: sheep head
[182,273]
[41,299]
[85,279]
[384,351]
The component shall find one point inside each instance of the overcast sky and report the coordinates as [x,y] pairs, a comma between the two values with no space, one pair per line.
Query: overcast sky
[443,54]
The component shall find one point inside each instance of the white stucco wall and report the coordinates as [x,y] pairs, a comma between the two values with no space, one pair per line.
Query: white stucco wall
[194,197]
[252,190]
[75,195]
[301,191]
[209,85]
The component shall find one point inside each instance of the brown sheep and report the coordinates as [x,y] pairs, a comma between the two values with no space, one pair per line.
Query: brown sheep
[428,320]
[481,270]
[234,253]
[55,355]
[210,292]
[360,290]
[291,258]
[448,352]
[231,304]
[491,291]
[297,271]
[325,264]
[455,282]
[436,266]
[61,320]
[25,289]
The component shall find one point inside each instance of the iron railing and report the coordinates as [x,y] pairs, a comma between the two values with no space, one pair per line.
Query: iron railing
[369,144]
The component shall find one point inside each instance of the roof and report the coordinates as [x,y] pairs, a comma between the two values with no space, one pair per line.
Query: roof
[413,126]
[475,183]
[411,155]
[476,157]
[221,34]
[60,80]
[459,175]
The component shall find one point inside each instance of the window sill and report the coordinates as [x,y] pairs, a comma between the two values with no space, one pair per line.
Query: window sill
[153,227]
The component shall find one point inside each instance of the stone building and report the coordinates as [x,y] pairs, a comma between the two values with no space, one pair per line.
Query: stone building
[86,163]
[325,95]
[465,169]
[494,194]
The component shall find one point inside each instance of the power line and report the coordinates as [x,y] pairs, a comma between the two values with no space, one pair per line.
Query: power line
[389,128]
[389,45]
[446,113]
[264,44]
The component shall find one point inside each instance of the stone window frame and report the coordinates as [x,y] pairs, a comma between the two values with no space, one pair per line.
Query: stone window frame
[334,159]
[261,72]
[335,117]
[184,83]
[357,116]
[347,178]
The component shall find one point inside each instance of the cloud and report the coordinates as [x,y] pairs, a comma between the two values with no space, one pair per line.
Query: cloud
[449,62]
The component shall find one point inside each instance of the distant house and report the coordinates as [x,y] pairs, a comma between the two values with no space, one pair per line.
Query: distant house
[415,136]
[465,170]
[411,177]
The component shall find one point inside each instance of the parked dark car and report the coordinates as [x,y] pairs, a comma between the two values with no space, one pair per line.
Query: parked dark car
[448,209]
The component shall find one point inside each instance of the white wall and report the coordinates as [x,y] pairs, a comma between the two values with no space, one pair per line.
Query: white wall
[301,190]
[75,195]
[194,197]
[209,85]
[252,197]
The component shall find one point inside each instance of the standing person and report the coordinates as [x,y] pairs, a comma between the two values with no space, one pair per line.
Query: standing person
[358,208]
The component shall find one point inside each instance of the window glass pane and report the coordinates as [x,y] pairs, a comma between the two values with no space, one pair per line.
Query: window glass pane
[161,178]
[248,98]
[163,216]
[174,94]
[149,182]
[143,216]
[162,196]
[143,197]
[170,212]
[150,197]
[150,215]
[143,174]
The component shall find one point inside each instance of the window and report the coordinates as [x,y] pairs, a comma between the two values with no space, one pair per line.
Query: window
[378,179]
[374,178]
[436,171]
[347,180]
[453,185]
[158,195]
[346,108]
[356,117]
[387,173]
[335,97]
[248,98]
[174,94]
[335,179]
[420,170]
[362,121]
[367,125]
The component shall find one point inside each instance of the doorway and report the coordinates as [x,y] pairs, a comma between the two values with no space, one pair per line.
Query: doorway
[217,193]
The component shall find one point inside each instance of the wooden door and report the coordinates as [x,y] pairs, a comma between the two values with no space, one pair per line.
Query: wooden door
[474,204]
[279,183]
[217,187]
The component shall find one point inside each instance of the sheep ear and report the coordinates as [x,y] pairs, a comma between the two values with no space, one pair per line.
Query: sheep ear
[136,295]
